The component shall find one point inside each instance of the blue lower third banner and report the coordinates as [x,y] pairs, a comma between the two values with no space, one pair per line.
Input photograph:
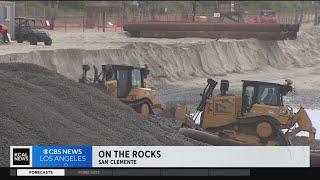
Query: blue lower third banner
[62,156]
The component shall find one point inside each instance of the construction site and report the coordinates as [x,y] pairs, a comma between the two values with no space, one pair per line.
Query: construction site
[193,79]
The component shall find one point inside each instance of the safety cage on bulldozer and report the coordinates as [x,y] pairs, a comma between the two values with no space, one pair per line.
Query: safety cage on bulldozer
[255,92]
[127,77]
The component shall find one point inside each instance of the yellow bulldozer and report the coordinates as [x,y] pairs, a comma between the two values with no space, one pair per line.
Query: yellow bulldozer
[258,117]
[127,84]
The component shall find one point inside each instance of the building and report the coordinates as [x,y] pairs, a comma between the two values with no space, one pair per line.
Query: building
[7,15]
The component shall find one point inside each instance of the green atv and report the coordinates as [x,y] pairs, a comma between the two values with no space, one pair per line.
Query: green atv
[28,29]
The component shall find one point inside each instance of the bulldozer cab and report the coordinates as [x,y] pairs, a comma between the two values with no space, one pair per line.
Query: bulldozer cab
[256,92]
[127,77]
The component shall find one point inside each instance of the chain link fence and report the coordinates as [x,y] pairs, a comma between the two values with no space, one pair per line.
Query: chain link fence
[84,20]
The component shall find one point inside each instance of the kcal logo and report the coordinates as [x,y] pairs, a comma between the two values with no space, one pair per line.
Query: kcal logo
[21,156]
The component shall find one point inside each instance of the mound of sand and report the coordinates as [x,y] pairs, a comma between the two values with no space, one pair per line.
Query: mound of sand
[171,59]
[41,107]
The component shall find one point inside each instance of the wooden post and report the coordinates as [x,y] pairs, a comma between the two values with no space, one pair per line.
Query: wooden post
[285,19]
[300,9]
[83,22]
[194,10]
[316,4]
[26,8]
[99,16]
[103,21]
[122,23]
[65,23]
[124,14]
[289,19]
[296,15]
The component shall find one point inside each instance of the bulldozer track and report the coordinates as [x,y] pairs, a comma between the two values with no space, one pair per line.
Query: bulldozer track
[283,141]
[137,103]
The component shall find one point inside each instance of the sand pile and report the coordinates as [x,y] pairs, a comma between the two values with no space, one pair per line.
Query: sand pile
[41,107]
[178,59]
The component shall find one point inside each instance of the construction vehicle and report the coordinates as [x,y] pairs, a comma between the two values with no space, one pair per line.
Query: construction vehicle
[126,83]
[258,117]
[268,16]
[32,30]
[265,17]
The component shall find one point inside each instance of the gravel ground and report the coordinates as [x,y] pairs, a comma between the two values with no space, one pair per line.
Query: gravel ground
[41,107]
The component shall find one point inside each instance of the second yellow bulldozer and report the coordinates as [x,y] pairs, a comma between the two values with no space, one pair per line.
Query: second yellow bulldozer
[257,117]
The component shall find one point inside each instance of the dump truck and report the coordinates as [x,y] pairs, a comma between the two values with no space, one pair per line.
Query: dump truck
[257,117]
[127,84]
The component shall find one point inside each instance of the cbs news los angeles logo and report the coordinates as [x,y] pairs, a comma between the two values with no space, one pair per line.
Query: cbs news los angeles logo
[20,156]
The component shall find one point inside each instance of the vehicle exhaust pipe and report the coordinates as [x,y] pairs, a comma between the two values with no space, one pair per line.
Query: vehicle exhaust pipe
[85,69]
[96,76]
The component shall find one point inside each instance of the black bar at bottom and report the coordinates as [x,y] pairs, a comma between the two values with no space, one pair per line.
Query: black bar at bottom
[184,172]
[88,172]
[229,172]
[157,172]
[7,172]
[13,172]
[136,172]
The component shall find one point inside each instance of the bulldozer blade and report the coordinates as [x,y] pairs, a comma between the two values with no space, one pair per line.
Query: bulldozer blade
[305,124]
[159,105]
[211,138]
[182,112]
[303,119]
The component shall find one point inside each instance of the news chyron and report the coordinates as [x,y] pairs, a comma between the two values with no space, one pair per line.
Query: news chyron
[23,158]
